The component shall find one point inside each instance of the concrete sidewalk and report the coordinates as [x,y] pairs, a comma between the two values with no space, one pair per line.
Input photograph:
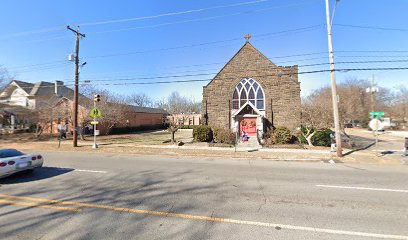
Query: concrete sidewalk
[278,154]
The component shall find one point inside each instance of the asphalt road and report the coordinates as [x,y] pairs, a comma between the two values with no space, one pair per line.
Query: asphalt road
[107,196]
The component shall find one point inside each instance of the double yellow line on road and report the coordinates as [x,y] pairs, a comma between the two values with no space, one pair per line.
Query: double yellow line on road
[28,204]
[50,204]
[89,205]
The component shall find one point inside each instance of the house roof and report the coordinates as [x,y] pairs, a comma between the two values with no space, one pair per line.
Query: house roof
[46,91]
[24,85]
[148,110]
[14,110]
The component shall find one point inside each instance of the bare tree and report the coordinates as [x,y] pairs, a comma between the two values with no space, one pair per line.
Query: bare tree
[5,77]
[174,124]
[114,109]
[177,104]
[173,128]
[140,99]
[316,115]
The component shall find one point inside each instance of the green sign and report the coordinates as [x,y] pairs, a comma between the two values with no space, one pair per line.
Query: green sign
[376,114]
[95,112]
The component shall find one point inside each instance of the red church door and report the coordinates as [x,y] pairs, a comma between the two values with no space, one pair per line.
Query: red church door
[249,126]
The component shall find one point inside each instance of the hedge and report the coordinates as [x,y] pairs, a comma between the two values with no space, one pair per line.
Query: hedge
[320,138]
[202,133]
[124,130]
[187,126]
[283,135]
[224,136]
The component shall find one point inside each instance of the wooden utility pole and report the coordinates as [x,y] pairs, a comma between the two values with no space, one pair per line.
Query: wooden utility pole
[76,73]
[333,83]
[373,90]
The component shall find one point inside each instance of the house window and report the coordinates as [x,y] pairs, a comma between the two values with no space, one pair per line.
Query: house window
[248,90]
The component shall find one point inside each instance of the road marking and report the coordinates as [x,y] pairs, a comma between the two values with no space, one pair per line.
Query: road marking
[91,171]
[211,219]
[27,204]
[364,188]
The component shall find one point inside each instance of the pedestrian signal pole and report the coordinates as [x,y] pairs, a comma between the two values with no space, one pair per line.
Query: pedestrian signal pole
[97,98]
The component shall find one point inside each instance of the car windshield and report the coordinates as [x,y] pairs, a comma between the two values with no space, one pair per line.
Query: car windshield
[6,153]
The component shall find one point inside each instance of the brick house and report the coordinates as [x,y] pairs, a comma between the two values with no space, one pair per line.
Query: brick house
[47,104]
[252,94]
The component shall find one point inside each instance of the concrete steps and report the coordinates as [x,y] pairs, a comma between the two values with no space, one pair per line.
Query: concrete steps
[250,145]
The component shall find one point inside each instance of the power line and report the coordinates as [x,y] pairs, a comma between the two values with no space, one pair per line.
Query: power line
[15,68]
[267,75]
[171,13]
[39,64]
[41,68]
[213,73]
[60,28]
[372,27]
[374,51]
[174,74]
[205,43]
[197,19]
[44,30]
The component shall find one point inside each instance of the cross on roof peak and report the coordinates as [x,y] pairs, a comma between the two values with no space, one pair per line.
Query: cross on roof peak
[247,37]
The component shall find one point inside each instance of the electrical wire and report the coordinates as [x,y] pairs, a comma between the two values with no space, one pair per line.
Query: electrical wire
[267,75]
[170,14]
[61,28]
[308,28]
[196,19]
[372,27]
[213,73]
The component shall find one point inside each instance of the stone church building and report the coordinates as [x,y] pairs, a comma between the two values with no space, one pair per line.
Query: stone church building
[252,94]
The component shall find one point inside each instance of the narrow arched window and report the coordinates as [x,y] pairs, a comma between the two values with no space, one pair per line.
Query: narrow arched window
[248,90]
[235,100]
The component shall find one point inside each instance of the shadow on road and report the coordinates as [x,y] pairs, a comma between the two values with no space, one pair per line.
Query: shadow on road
[151,189]
[37,174]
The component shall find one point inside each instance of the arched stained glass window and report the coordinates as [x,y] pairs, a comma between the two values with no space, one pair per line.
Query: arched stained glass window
[248,90]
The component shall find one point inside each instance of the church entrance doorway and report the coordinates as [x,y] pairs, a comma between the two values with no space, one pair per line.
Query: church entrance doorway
[248,125]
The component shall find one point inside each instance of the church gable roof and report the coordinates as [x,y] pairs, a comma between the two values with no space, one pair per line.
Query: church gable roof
[249,52]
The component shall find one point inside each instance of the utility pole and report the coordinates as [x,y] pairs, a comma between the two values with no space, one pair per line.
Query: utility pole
[374,89]
[333,82]
[76,73]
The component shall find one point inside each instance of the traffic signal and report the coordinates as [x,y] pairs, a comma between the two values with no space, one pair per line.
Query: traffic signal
[97,98]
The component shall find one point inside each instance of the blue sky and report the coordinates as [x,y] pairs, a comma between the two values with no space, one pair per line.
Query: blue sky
[34,44]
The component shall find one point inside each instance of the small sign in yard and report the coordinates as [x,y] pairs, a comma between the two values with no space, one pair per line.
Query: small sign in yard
[376,125]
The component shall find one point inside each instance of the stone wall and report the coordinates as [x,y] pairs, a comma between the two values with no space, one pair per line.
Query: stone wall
[280,85]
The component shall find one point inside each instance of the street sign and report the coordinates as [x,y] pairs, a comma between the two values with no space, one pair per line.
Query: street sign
[94,122]
[376,125]
[376,114]
[95,112]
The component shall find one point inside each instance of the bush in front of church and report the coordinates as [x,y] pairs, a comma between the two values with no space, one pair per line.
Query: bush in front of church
[283,135]
[202,133]
[224,136]
[280,135]
[320,138]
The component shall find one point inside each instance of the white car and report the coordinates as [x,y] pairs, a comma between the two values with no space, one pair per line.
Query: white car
[12,161]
